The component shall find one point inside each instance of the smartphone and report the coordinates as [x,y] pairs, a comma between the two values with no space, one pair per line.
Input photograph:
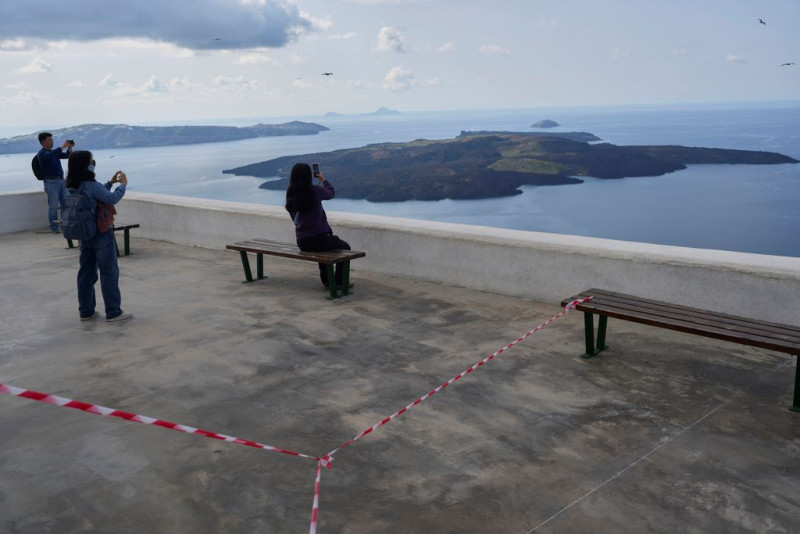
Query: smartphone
[71,142]
[315,169]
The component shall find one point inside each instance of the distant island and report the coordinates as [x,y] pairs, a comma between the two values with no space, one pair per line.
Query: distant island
[379,111]
[546,123]
[490,164]
[101,136]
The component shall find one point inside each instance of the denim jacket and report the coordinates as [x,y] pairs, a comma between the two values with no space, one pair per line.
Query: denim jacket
[97,192]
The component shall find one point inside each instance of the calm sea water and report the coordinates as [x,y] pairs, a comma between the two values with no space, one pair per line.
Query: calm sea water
[744,208]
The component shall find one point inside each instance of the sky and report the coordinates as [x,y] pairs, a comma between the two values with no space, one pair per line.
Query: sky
[156,61]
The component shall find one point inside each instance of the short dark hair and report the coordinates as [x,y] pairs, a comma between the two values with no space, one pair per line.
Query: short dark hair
[43,136]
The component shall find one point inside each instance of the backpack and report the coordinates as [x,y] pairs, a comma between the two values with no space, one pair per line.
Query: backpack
[36,166]
[78,216]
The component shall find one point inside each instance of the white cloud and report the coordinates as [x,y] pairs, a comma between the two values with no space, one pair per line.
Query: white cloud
[343,36]
[494,49]
[732,58]
[237,82]
[107,81]
[36,66]
[448,47]
[391,40]
[302,84]
[206,25]
[399,79]
[153,85]
[679,51]
[23,98]
[552,23]
[22,45]
[18,86]
[432,81]
[76,83]
[298,59]
[254,58]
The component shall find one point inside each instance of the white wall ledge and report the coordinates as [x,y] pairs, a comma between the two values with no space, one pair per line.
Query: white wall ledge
[541,266]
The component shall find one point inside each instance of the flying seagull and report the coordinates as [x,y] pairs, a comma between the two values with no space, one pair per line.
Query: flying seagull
[762,22]
[326,74]
[787,64]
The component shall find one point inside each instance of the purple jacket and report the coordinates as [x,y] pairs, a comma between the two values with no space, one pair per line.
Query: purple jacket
[314,221]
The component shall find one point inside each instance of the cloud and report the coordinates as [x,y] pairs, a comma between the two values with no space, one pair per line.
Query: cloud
[255,58]
[448,47]
[343,36]
[735,59]
[301,84]
[238,82]
[495,49]
[22,45]
[22,98]
[399,79]
[391,40]
[432,81]
[107,81]
[205,25]
[153,85]
[76,83]
[373,2]
[36,66]
[679,51]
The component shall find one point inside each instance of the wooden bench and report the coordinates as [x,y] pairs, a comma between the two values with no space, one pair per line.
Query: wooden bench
[286,250]
[125,228]
[752,332]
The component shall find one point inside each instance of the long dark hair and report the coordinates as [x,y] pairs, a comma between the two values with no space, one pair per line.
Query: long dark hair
[300,193]
[78,168]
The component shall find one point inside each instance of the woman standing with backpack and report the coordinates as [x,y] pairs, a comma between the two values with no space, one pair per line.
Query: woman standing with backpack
[98,253]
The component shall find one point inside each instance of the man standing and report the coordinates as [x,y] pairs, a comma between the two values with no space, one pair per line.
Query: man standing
[53,175]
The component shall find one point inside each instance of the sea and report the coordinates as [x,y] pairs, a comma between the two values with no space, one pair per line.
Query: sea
[746,208]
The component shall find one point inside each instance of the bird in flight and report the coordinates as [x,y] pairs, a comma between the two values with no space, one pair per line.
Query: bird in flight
[787,64]
[326,74]
[762,22]
[217,38]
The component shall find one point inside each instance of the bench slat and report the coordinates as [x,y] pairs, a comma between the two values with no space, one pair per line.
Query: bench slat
[781,345]
[703,318]
[781,338]
[735,319]
[285,250]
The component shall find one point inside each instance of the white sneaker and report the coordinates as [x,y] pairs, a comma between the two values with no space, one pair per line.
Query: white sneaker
[89,318]
[121,317]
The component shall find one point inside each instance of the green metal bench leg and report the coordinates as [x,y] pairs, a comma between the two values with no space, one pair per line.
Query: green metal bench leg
[70,244]
[593,349]
[346,279]
[796,401]
[331,280]
[246,264]
[127,234]
[260,266]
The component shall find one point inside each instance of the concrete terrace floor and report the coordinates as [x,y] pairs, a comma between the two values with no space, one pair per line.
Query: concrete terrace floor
[664,432]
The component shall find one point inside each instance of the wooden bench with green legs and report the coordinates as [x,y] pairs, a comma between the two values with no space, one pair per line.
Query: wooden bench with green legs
[126,230]
[773,336]
[260,247]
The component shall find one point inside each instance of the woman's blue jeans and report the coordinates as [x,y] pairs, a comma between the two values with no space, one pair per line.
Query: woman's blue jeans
[103,259]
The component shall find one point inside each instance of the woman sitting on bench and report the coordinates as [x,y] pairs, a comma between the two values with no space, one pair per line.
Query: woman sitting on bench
[304,204]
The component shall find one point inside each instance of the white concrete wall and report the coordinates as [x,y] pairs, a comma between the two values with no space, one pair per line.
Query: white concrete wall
[539,266]
[20,212]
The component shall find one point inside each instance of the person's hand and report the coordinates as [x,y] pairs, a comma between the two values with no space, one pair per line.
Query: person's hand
[65,145]
[121,178]
[320,177]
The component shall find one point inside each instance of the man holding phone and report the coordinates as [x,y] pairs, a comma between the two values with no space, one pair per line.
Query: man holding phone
[49,160]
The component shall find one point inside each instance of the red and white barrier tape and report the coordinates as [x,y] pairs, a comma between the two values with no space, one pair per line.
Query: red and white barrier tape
[326,460]
[110,412]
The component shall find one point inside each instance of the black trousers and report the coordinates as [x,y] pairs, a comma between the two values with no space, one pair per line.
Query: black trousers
[324,243]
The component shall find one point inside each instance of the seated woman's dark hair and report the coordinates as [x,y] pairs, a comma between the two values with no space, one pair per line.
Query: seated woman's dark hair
[78,168]
[300,193]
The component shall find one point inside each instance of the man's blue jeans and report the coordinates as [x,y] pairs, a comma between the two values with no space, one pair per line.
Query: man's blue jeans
[103,259]
[56,191]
